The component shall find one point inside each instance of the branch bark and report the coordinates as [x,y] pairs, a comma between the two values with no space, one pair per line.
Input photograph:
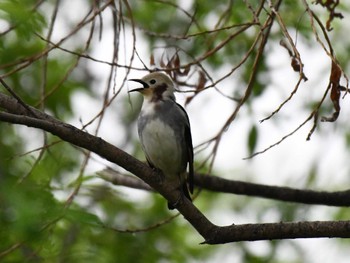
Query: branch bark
[216,184]
[16,113]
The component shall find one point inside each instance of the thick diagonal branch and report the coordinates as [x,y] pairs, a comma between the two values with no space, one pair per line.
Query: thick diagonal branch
[211,233]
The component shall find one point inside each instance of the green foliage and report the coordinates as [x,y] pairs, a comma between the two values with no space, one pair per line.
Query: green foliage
[51,208]
[252,139]
[21,15]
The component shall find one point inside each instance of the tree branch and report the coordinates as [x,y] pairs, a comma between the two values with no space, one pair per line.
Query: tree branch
[212,234]
[217,184]
[20,115]
[280,193]
[284,230]
[117,178]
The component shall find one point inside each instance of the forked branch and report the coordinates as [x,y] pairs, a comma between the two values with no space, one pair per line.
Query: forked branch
[16,113]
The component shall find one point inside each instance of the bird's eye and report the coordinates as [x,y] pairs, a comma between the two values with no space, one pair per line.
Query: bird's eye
[152,81]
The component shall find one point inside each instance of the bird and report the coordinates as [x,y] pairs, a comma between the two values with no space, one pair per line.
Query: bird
[165,133]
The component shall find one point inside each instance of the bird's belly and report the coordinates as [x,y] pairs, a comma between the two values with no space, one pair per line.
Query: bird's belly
[162,148]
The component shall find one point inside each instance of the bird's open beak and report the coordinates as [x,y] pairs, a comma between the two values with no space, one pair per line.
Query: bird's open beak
[144,84]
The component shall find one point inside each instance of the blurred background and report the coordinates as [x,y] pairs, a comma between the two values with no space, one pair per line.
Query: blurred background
[235,63]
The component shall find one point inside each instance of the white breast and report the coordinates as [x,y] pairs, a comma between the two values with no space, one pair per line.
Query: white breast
[160,146]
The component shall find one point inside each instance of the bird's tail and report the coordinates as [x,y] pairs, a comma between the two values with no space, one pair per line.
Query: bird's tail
[186,192]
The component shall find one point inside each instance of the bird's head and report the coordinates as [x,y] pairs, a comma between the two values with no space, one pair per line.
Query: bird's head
[156,86]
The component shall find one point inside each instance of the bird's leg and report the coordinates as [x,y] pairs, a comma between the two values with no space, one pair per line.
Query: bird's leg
[182,195]
[178,201]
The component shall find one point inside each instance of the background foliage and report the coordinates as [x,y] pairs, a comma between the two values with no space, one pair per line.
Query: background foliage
[71,59]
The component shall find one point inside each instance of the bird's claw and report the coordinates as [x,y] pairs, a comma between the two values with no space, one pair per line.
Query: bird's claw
[177,202]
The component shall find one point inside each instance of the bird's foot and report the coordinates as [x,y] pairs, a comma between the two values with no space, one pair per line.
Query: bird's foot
[184,194]
[178,201]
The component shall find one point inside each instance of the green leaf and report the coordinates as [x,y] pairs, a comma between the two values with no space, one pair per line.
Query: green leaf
[83,217]
[252,139]
[23,17]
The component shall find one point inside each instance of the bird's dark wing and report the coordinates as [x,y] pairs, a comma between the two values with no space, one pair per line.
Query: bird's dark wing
[189,149]
[188,139]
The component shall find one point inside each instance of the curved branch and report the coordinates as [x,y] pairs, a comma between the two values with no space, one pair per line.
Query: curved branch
[17,114]
[211,233]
